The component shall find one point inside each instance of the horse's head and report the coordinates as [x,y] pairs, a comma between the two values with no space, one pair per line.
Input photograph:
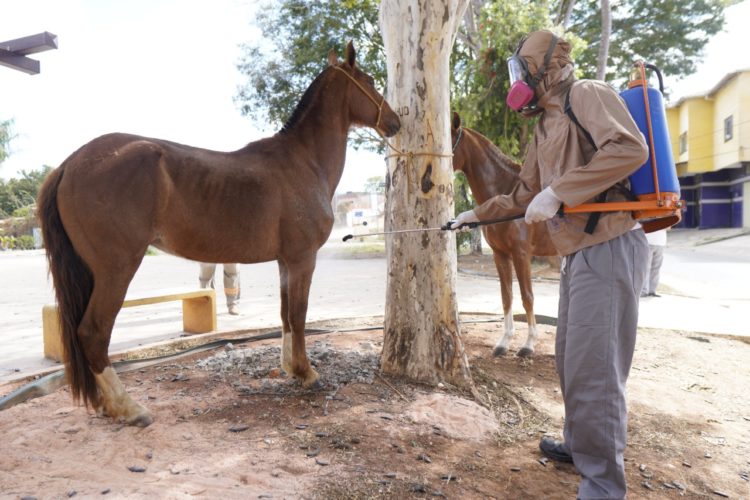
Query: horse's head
[366,105]
[458,144]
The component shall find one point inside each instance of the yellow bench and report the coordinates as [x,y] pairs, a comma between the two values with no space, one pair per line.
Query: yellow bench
[198,315]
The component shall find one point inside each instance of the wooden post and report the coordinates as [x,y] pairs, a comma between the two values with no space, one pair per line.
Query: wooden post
[422,338]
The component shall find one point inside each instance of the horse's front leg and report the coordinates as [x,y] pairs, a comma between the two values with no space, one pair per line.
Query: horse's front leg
[505,273]
[299,276]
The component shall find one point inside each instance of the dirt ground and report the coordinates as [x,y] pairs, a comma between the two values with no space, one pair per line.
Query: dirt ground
[229,425]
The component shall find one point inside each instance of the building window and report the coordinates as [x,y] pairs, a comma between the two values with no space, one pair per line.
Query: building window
[728,128]
[683,142]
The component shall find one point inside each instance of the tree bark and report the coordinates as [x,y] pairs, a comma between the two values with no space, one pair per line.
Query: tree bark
[422,338]
[601,63]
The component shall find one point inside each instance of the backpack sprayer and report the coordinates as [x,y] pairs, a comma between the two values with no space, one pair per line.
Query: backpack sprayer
[656,189]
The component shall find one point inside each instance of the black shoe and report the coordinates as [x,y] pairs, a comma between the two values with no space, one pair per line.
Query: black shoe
[654,294]
[554,450]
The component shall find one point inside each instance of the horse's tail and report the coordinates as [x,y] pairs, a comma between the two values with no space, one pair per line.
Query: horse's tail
[73,283]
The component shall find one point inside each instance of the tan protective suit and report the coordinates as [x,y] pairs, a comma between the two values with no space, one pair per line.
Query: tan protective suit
[602,273]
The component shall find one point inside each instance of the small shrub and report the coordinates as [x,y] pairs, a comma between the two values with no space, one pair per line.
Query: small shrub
[25,242]
[26,212]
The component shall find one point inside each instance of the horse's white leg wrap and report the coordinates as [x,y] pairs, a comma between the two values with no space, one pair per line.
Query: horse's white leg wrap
[528,347]
[117,403]
[502,346]
[510,330]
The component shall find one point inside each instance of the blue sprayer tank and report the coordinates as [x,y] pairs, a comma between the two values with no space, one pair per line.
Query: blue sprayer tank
[642,181]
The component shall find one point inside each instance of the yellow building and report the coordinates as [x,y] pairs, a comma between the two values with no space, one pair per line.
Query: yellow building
[710,136]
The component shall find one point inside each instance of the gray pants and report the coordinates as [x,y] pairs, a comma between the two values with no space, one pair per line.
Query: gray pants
[597,322]
[231,280]
[653,266]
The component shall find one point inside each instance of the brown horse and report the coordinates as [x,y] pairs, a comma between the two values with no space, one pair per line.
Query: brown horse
[491,173]
[271,200]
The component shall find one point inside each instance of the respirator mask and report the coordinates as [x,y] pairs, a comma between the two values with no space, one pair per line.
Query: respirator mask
[521,96]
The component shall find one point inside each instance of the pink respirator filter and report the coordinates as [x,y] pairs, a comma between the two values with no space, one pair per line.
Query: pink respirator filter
[520,95]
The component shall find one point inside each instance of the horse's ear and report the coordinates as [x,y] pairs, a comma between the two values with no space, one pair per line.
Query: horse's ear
[351,55]
[333,59]
[456,124]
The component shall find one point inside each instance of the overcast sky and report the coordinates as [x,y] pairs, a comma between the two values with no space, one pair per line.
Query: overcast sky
[167,69]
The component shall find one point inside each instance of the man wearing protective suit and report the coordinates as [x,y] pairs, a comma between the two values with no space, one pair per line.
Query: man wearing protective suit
[604,260]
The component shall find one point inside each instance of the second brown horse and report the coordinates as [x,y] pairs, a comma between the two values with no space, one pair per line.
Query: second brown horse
[490,173]
[271,200]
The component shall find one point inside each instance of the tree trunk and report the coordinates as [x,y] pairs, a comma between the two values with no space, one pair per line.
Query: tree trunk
[601,63]
[568,12]
[422,338]
[471,37]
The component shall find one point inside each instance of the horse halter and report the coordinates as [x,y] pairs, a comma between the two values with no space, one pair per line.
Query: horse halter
[458,139]
[366,93]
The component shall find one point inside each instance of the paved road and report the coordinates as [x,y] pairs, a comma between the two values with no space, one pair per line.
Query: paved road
[707,291]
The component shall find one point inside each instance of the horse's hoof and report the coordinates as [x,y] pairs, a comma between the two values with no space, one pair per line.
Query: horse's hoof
[141,420]
[315,386]
[525,352]
[312,380]
[500,351]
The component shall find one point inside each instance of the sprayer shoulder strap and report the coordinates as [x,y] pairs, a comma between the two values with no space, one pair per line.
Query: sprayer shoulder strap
[602,197]
[569,111]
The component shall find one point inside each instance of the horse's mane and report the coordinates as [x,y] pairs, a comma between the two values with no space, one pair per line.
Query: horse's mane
[303,103]
[496,156]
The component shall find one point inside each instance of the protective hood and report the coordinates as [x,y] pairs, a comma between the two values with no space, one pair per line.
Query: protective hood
[533,50]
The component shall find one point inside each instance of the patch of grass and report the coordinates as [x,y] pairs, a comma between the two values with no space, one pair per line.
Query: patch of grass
[355,249]
[368,248]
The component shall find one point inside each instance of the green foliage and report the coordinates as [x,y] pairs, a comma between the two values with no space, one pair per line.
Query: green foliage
[23,242]
[21,192]
[668,33]
[27,211]
[297,36]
